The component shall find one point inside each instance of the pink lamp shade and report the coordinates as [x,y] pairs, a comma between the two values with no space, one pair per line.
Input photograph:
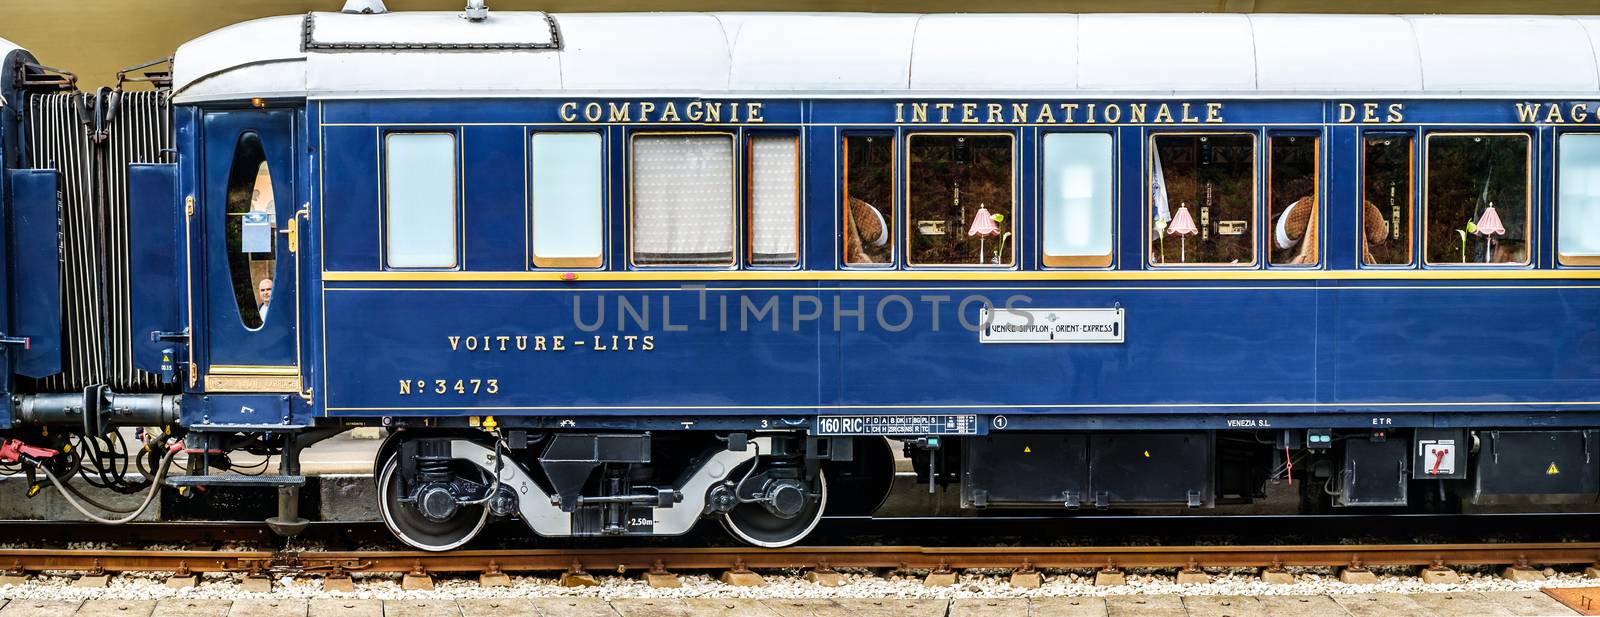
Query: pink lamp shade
[983,224]
[1489,224]
[1182,223]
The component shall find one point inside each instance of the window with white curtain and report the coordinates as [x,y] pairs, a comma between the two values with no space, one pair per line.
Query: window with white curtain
[683,199]
[420,191]
[774,200]
[568,205]
[1077,199]
[1578,200]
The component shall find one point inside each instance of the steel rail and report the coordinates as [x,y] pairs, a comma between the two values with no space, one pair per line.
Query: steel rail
[900,557]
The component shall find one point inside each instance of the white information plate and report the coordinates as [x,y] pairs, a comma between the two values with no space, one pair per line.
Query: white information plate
[1062,325]
[937,424]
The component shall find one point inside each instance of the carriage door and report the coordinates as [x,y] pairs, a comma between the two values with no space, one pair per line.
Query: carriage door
[248,201]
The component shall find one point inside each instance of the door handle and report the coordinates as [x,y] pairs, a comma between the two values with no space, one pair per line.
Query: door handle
[292,229]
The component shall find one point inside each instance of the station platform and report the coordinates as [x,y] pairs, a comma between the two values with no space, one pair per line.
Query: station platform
[1455,604]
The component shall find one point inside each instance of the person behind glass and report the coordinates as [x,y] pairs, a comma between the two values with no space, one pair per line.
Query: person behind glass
[263,297]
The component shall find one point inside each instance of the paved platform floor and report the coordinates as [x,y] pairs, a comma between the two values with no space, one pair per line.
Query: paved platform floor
[1461,604]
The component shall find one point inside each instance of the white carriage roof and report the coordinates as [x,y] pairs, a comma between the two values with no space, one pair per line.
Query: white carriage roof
[7,47]
[431,54]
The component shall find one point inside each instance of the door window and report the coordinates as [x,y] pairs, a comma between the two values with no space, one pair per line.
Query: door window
[251,230]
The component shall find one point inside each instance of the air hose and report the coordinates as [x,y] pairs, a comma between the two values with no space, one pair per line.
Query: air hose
[150,495]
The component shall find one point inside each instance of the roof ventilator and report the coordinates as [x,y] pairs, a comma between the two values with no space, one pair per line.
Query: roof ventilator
[364,7]
[477,10]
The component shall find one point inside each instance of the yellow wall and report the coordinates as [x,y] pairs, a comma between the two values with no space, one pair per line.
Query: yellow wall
[95,38]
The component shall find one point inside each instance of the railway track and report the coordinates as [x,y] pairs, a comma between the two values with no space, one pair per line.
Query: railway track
[299,563]
[963,530]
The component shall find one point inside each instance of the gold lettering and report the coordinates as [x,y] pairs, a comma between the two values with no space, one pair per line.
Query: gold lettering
[996,113]
[649,343]
[1188,119]
[503,340]
[522,343]
[1019,113]
[1396,113]
[1213,113]
[752,113]
[694,111]
[1554,116]
[1369,112]
[598,346]
[558,343]
[1529,112]
[405,387]
[669,113]
[1580,112]
[899,113]
[1113,113]
[1088,116]
[494,386]
[1163,114]
[645,107]
[944,111]
[569,111]
[455,341]
[592,111]
[1046,116]
[713,113]
[620,113]
[919,113]
[968,113]
[538,343]
[1136,112]
[440,386]
[472,343]
[1347,113]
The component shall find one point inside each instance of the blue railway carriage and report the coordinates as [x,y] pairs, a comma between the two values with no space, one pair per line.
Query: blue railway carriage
[615,274]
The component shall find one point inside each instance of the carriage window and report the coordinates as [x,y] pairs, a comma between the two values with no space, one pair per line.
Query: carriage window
[251,230]
[1292,165]
[961,208]
[1386,206]
[869,199]
[1477,201]
[1202,189]
[774,201]
[683,200]
[1579,199]
[420,186]
[1077,199]
[568,221]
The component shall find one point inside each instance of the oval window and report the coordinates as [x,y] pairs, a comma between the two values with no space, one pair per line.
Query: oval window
[251,230]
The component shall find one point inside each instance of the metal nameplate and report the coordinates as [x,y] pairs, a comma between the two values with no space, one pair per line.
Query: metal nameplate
[938,424]
[1064,325]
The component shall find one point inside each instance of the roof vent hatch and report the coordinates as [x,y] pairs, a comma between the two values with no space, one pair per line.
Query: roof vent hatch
[364,7]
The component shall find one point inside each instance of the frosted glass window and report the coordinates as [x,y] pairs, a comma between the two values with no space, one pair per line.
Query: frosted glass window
[683,199]
[1077,199]
[1579,199]
[420,185]
[774,200]
[568,221]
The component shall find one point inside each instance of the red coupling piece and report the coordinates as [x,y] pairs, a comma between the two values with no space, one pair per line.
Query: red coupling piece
[13,450]
[569,277]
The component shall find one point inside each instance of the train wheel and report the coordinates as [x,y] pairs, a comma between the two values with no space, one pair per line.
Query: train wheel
[411,527]
[760,525]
